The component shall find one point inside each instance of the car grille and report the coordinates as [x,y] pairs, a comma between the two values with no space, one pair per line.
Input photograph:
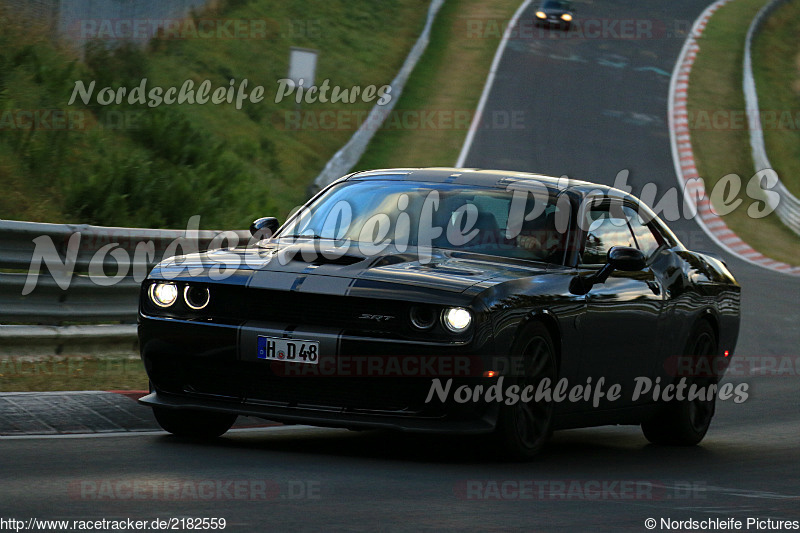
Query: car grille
[310,309]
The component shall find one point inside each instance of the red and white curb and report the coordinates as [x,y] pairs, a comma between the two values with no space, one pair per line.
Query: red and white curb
[683,156]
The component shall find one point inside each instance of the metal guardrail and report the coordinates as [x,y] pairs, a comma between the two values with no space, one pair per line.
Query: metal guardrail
[77,282]
[21,342]
[788,206]
[83,301]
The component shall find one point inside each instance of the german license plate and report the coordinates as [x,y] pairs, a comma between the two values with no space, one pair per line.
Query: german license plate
[289,350]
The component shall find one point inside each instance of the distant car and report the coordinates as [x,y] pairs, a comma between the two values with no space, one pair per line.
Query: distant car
[398,299]
[555,13]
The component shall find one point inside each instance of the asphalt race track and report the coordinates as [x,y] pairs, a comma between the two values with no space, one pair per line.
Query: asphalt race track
[590,108]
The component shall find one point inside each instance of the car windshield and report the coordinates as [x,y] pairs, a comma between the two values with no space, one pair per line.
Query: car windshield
[528,223]
[555,4]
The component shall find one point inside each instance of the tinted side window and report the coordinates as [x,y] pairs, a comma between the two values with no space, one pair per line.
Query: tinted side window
[648,241]
[605,232]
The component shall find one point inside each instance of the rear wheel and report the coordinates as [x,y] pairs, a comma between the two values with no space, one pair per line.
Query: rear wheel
[685,423]
[196,424]
[524,427]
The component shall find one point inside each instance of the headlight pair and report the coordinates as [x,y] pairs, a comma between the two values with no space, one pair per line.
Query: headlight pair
[455,319]
[566,17]
[165,294]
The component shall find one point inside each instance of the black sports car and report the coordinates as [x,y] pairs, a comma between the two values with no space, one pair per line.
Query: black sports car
[555,13]
[445,300]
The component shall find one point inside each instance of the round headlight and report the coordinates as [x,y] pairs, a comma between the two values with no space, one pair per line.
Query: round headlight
[541,15]
[163,294]
[457,319]
[196,297]
[423,317]
[566,16]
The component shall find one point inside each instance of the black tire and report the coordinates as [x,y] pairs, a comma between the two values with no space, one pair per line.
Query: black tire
[193,424]
[685,423]
[523,428]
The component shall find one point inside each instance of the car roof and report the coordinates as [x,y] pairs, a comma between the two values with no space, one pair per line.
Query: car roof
[563,3]
[499,179]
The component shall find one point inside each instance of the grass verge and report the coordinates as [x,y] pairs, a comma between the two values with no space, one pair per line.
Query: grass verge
[776,67]
[139,166]
[72,373]
[722,147]
[445,87]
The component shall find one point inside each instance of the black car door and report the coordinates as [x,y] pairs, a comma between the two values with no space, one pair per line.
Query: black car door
[621,331]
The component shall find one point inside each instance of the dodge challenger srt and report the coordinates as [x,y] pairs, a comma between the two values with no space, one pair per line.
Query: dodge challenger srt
[445,300]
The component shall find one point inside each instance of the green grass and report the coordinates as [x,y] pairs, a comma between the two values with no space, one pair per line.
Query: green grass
[171,162]
[448,82]
[716,86]
[72,373]
[776,67]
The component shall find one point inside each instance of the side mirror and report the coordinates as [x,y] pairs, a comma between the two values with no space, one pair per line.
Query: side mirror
[264,227]
[622,258]
[626,258]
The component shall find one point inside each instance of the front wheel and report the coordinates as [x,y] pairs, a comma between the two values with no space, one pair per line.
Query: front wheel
[523,428]
[194,424]
[685,423]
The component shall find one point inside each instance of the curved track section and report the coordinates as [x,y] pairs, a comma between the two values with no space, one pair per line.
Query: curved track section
[683,156]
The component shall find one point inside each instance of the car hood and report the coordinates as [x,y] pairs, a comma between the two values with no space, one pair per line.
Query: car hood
[292,266]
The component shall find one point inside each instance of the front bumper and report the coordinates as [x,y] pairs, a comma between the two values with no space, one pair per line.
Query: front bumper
[360,382]
[321,417]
